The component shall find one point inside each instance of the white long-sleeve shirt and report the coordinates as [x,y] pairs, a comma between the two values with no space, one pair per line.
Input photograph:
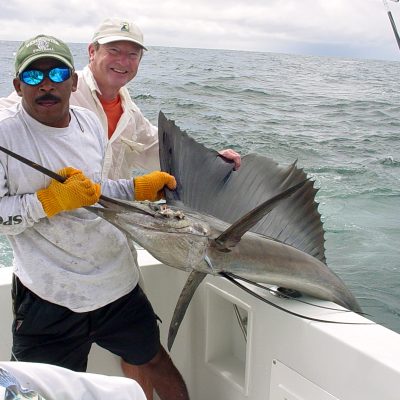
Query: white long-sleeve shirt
[74,259]
[134,143]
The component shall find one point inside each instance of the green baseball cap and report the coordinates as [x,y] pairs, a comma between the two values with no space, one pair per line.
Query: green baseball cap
[42,46]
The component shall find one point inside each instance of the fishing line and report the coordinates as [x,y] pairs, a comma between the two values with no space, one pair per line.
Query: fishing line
[228,276]
[241,322]
[15,357]
[288,296]
[12,353]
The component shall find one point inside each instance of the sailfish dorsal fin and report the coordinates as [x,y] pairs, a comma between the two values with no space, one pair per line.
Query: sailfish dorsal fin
[208,184]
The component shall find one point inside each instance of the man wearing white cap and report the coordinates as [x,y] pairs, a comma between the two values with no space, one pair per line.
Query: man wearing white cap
[115,53]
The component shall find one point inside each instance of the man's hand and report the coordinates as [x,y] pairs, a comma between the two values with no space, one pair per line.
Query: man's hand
[150,187]
[231,155]
[77,191]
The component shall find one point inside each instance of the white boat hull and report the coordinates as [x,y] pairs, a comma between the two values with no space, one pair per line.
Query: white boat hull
[285,357]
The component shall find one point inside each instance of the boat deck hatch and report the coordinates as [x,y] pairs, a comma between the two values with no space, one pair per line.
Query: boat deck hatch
[287,384]
[228,333]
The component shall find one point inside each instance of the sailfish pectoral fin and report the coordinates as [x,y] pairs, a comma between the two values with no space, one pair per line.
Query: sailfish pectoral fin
[192,283]
[234,233]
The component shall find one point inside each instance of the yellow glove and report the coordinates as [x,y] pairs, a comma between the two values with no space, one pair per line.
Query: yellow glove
[77,191]
[150,186]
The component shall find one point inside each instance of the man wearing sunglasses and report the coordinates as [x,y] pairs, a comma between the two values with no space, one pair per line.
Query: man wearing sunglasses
[46,104]
[74,277]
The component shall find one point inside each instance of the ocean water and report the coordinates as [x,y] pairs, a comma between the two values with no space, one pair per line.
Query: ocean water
[340,118]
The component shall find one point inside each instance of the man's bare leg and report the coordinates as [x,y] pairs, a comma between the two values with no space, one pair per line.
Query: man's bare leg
[164,377]
[136,373]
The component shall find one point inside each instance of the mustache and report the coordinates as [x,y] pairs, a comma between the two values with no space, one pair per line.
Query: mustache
[48,97]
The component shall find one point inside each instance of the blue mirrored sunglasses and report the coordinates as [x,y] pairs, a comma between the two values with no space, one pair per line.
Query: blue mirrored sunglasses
[34,76]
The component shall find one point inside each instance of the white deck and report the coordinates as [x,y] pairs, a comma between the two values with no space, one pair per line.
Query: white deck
[285,357]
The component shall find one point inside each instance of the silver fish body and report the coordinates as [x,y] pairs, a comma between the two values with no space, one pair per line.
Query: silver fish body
[188,243]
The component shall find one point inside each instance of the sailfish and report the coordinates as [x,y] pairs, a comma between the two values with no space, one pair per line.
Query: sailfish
[260,223]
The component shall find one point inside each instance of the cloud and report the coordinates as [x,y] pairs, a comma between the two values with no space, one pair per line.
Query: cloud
[334,27]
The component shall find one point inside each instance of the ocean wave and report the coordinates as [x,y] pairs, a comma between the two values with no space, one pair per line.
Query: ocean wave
[144,97]
[389,161]
[338,170]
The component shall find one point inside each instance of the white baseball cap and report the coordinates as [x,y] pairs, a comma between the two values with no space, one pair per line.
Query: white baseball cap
[113,30]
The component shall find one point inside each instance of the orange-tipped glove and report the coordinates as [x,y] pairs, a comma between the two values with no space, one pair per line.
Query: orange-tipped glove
[150,186]
[77,191]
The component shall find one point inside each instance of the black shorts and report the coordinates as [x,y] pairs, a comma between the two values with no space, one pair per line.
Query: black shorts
[49,333]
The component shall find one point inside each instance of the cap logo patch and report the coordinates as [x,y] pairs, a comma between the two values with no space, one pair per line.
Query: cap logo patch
[42,44]
[125,27]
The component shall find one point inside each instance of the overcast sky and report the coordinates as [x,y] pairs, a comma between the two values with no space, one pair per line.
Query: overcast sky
[343,28]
